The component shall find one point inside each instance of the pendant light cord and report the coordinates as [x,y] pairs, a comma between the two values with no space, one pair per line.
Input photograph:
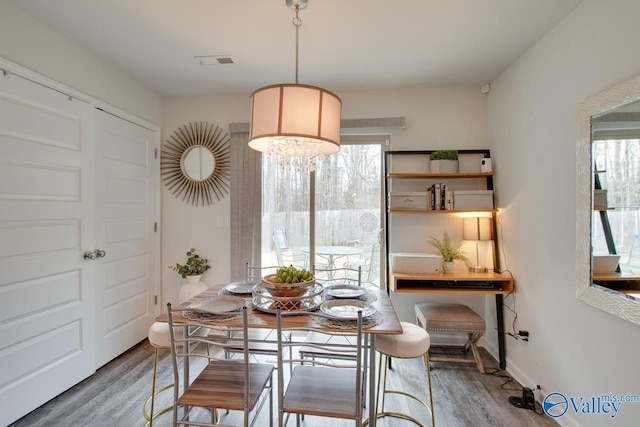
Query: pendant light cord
[297,22]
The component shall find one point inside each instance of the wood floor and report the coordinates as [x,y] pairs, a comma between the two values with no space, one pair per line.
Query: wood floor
[463,397]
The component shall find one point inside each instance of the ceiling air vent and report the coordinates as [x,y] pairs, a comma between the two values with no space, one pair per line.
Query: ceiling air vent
[214,59]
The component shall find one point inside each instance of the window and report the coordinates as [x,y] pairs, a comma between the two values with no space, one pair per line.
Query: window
[347,196]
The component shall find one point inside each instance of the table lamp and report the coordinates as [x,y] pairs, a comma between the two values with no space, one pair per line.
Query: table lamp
[477,229]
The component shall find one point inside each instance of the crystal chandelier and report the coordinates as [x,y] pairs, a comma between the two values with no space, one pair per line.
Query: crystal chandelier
[298,123]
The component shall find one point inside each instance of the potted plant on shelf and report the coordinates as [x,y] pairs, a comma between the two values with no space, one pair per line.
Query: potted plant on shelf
[449,252]
[192,270]
[443,161]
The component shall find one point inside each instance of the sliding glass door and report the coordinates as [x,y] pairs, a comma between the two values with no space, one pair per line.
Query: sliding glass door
[337,209]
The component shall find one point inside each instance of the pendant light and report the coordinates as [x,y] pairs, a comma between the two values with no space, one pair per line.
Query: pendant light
[299,123]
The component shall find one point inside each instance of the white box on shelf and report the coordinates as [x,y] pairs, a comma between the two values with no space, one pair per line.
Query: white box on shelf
[415,263]
[415,200]
[466,200]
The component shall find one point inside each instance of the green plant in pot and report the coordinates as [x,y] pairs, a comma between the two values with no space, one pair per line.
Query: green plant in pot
[449,251]
[443,161]
[195,265]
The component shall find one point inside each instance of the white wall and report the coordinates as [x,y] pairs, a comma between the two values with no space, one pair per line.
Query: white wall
[32,45]
[574,348]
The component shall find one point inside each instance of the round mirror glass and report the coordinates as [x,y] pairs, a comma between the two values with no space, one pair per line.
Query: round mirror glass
[198,163]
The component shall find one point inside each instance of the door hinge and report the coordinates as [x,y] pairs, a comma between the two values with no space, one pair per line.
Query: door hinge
[155,152]
[155,227]
[155,300]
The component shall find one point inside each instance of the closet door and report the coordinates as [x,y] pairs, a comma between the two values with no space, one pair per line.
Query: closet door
[47,331]
[127,174]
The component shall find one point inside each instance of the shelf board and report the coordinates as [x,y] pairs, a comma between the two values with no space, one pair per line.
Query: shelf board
[440,175]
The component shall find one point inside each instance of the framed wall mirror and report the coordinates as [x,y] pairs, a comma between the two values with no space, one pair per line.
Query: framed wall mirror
[195,163]
[608,201]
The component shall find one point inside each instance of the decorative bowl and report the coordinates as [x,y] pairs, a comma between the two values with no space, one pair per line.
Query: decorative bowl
[285,290]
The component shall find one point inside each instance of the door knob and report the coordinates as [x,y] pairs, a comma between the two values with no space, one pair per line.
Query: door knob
[92,255]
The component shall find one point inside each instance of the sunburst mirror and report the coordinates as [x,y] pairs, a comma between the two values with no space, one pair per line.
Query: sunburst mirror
[195,163]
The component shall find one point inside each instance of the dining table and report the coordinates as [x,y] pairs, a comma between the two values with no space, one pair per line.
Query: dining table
[387,323]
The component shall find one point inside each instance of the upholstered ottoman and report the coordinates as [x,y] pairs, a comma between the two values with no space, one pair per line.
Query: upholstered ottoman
[448,317]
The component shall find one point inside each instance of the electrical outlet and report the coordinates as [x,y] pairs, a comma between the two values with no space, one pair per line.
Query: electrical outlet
[524,335]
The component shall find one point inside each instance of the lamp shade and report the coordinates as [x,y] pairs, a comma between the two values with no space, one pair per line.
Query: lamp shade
[477,229]
[297,116]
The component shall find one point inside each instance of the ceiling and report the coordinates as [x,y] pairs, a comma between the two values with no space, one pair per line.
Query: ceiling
[344,44]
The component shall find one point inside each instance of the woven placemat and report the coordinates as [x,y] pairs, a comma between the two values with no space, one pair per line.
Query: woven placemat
[204,317]
[367,322]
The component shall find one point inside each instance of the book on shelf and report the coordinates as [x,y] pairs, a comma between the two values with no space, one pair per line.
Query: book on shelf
[439,197]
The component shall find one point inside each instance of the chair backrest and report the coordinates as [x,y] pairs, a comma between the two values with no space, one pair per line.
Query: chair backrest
[338,276]
[257,273]
[297,259]
[186,336]
[280,238]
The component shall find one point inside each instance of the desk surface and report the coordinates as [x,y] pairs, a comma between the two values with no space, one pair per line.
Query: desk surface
[257,319]
[455,282]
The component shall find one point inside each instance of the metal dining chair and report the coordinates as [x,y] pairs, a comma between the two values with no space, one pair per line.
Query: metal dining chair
[324,389]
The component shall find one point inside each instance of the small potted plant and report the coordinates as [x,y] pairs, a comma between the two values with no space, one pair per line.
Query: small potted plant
[192,270]
[443,161]
[195,265]
[449,252]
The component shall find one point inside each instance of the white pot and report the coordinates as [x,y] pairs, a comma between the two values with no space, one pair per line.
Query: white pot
[443,166]
[192,288]
[448,267]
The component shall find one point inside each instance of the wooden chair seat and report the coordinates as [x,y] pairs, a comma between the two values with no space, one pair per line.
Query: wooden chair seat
[321,391]
[221,385]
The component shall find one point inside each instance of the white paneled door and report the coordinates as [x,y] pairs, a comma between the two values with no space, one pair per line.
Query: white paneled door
[47,328]
[78,245]
[126,178]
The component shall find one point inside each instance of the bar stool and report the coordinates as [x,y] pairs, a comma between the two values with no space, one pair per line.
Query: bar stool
[414,342]
[159,339]
[447,317]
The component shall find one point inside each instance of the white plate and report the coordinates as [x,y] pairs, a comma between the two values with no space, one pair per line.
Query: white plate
[346,309]
[345,291]
[222,304]
[240,287]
